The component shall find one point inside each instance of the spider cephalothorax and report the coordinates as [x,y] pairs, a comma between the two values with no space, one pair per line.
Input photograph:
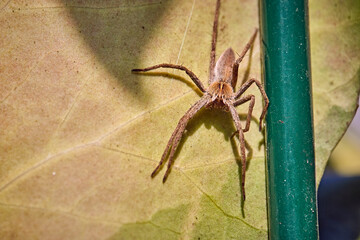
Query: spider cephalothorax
[221,91]
[220,94]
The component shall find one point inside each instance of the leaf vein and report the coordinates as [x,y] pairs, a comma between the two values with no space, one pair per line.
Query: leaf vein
[217,206]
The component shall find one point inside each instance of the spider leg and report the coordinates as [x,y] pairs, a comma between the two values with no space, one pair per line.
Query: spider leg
[251,107]
[168,65]
[241,57]
[236,119]
[245,86]
[166,151]
[213,42]
[177,134]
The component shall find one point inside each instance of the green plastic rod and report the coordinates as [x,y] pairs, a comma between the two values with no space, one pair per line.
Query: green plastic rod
[291,191]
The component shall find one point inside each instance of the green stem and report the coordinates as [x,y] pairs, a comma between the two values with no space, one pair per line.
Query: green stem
[291,190]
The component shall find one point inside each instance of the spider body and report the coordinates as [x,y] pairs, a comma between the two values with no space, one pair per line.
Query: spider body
[223,71]
[220,94]
[220,89]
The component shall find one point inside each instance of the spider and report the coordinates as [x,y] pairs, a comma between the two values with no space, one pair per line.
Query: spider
[220,94]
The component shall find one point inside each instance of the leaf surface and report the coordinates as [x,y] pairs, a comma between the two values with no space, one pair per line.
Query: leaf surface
[80,135]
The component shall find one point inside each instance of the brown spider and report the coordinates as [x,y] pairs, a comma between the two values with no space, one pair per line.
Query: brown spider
[220,94]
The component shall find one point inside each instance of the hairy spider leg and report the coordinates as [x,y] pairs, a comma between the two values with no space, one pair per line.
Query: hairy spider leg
[241,57]
[242,100]
[245,86]
[180,67]
[236,119]
[213,43]
[177,134]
